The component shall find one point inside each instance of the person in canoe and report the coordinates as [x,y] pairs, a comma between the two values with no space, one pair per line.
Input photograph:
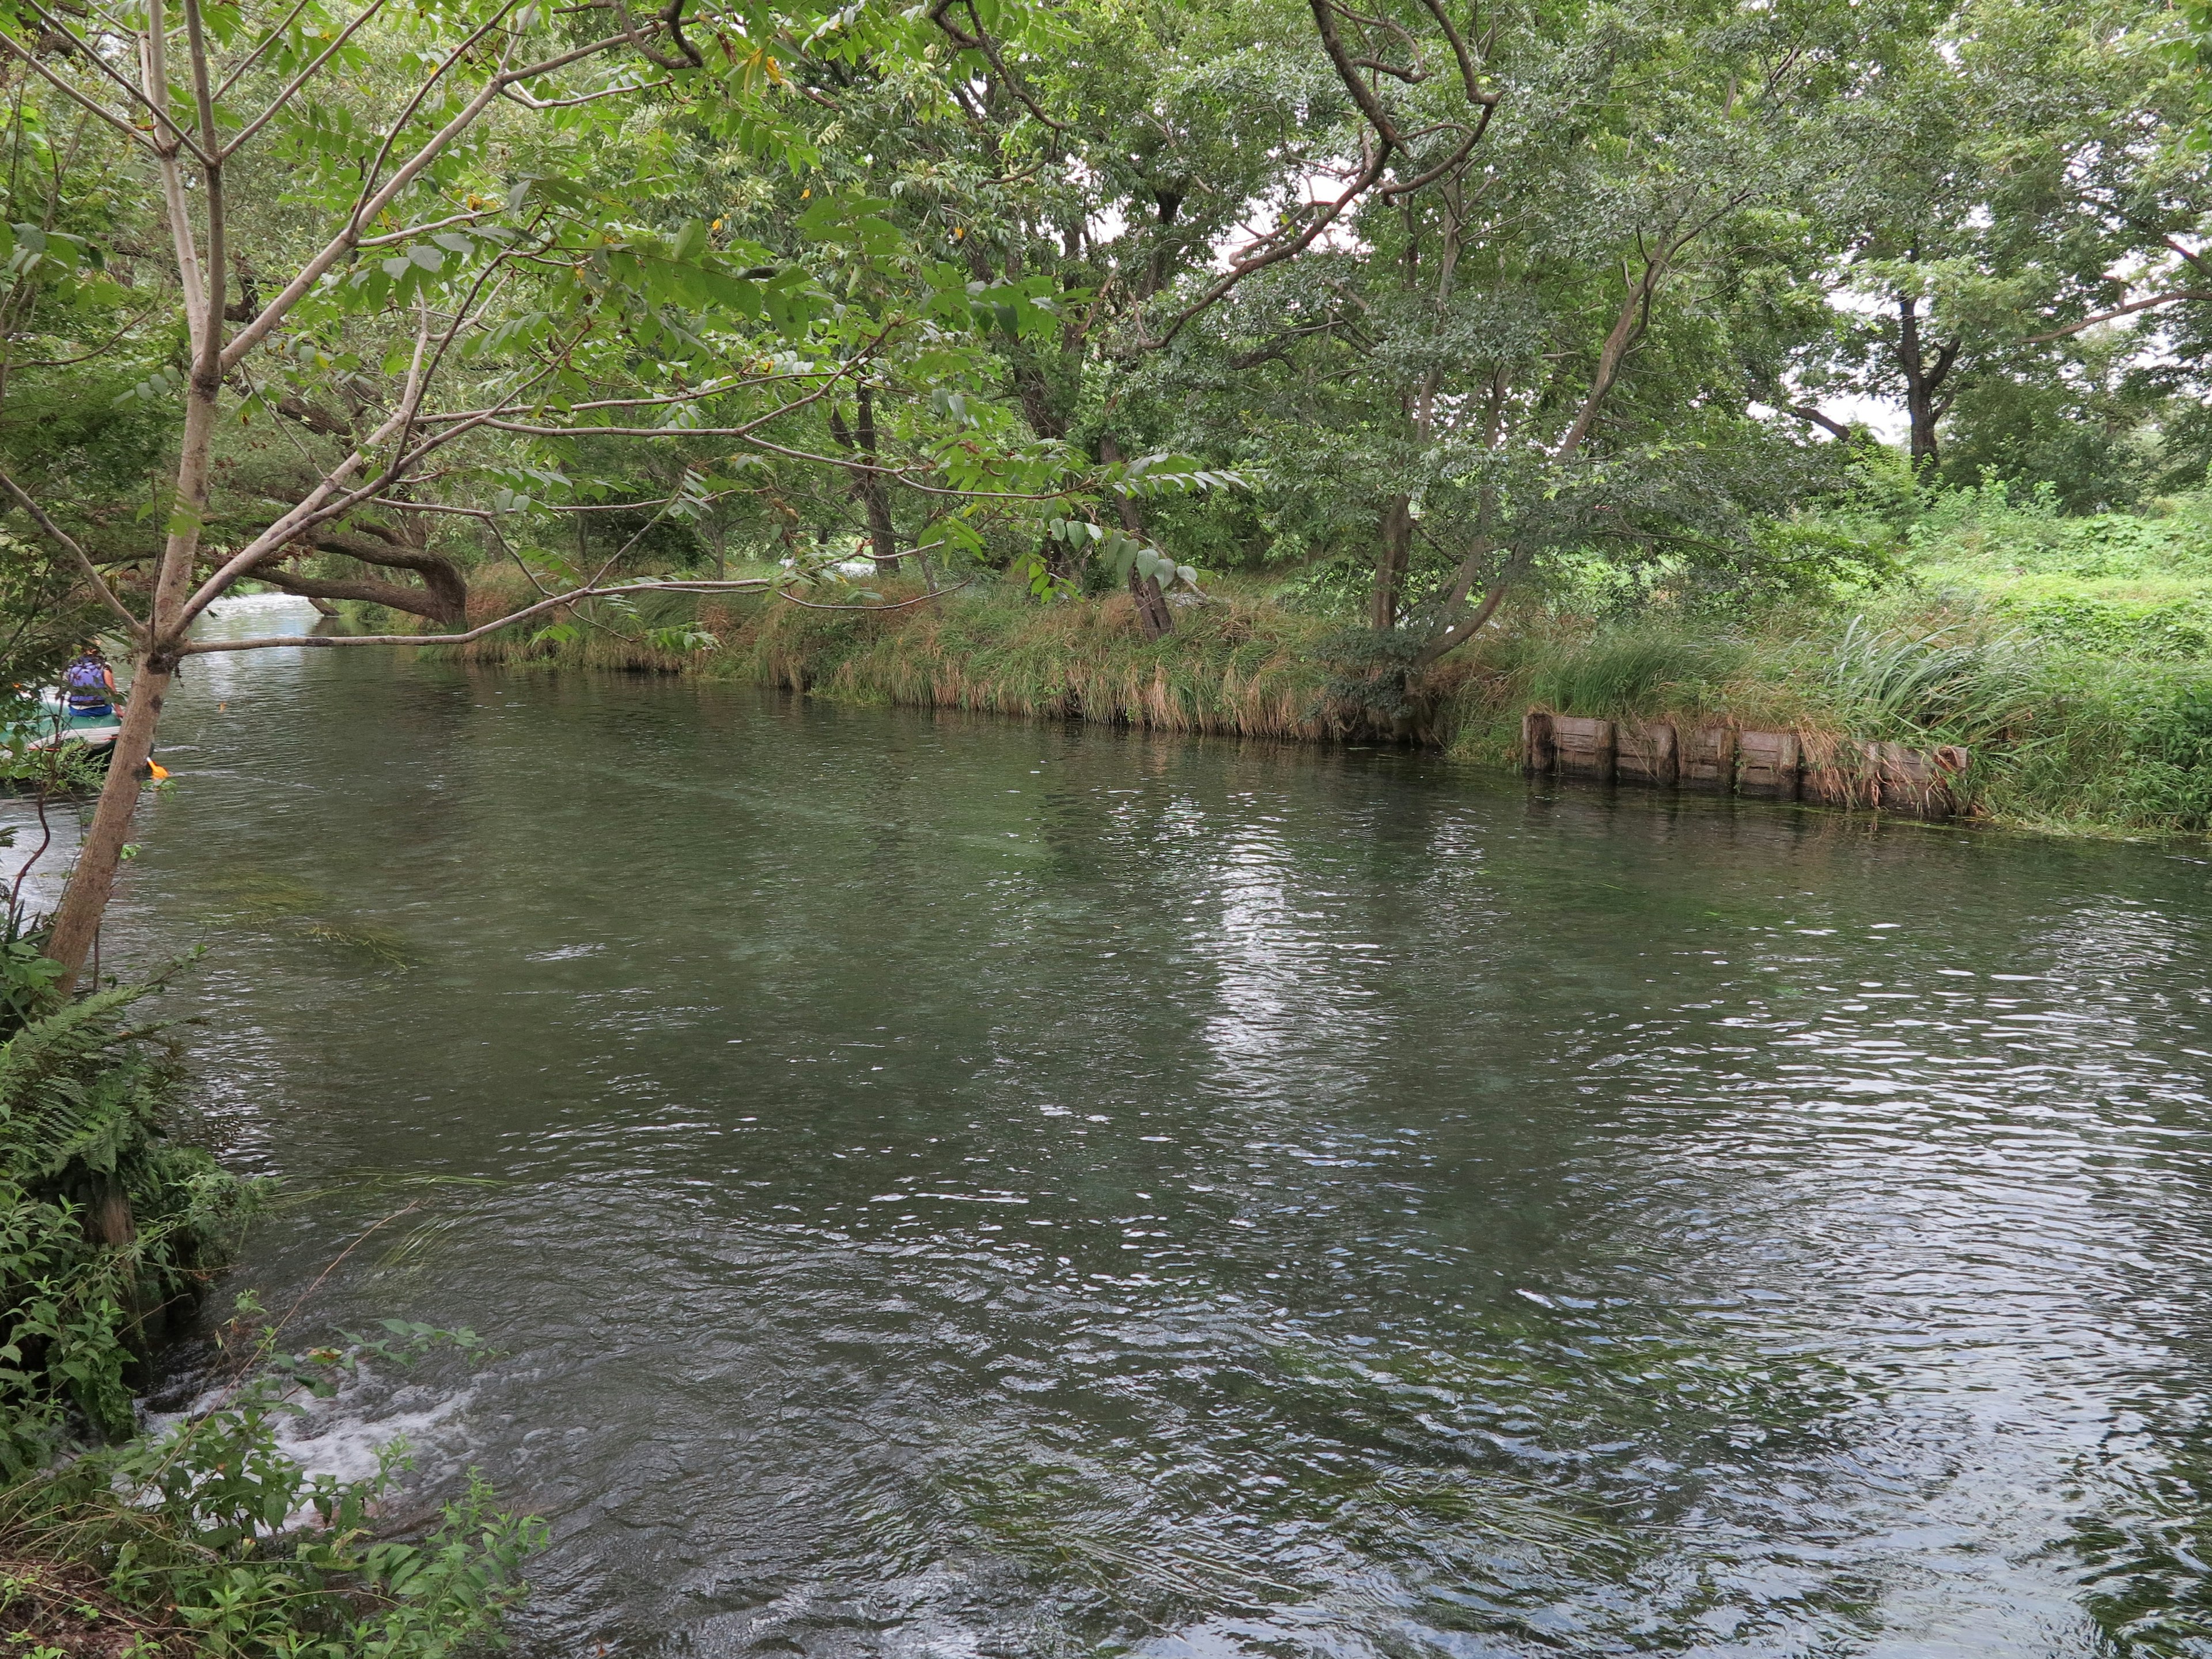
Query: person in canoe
[88,684]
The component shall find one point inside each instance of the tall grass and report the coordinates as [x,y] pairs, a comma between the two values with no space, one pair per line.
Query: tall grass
[1944,684]
[1640,671]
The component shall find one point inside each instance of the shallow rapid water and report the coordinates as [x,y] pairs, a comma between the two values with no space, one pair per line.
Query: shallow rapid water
[950,1187]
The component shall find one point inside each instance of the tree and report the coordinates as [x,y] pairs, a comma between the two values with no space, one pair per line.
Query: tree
[1983,206]
[431,311]
[1530,359]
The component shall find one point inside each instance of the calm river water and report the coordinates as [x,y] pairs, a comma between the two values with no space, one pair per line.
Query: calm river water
[946,1187]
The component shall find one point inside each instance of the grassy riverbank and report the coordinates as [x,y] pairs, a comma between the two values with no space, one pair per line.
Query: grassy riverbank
[2070,655]
[2064,738]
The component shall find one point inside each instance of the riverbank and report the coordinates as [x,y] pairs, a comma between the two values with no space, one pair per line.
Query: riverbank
[2068,734]
[125,1537]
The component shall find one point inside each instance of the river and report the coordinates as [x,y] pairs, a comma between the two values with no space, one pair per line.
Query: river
[949,1187]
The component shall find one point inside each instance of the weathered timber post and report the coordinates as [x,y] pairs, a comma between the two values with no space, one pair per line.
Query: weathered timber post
[1834,773]
[1916,783]
[1536,756]
[1582,748]
[1707,760]
[1767,764]
[1647,754]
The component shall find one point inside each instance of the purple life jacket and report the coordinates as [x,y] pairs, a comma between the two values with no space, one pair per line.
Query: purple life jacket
[87,683]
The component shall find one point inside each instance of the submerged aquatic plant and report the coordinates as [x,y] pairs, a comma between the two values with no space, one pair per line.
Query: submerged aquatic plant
[266,903]
[1491,1478]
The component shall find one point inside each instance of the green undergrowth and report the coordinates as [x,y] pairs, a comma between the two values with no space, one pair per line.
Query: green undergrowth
[201,1537]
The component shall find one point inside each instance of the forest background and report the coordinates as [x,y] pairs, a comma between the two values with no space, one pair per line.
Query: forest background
[1264,366]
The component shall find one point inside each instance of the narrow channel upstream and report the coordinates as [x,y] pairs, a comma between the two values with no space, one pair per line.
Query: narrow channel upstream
[945,1186]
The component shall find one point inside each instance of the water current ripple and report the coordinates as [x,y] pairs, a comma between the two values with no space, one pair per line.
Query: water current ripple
[945,1188]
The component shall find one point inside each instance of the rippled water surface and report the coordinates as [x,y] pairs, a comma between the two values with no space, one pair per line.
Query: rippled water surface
[947,1187]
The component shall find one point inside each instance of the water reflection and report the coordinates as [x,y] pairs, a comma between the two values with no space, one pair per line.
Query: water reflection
[946,1187]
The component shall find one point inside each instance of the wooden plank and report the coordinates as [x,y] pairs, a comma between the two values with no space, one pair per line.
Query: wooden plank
[1582,748]
[1646,754]
[1834,773]
[1536,742]
[1706,759]
[1917,783]
[1767,764]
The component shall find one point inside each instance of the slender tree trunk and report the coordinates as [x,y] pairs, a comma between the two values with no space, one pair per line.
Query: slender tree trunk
[91,882]
[1923,381]
[875,490]
[1154,615]
[93,878]
[1391,559]
[870,487]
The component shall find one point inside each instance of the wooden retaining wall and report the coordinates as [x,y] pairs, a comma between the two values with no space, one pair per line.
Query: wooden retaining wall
[1721,758]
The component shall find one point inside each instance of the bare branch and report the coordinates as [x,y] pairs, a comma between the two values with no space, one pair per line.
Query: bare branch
[516,96]
[575,596]
[789,598]
[2128,310]
[293,85]
[274,34]
[99,61]
[1272,251]
[208,371]
[154,61]
[54,532]
[425,229]
[69,92]
[1806,412]
[348,238]
[663,400]
[415,102]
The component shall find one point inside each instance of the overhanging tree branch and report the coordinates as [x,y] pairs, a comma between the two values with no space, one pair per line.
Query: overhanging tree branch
[69,544]
[2128,310]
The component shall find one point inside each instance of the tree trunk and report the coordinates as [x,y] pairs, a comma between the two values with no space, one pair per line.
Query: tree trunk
[84,901]
[1390,562]
[92,879]
[1923,381]
[874,492]
[1154,615]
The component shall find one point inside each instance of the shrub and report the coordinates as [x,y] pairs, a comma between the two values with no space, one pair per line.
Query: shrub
[2168,782]
[104,1226]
